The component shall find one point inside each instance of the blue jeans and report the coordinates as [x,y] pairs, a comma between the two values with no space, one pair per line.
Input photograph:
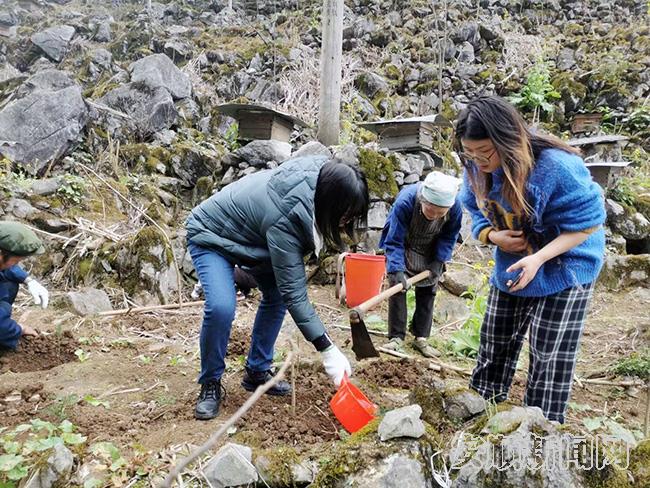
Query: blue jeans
[216,274]
[9,330]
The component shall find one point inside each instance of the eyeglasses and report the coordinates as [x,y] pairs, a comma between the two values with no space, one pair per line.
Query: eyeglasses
[466,157]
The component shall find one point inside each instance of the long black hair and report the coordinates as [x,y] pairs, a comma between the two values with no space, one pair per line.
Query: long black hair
[341,201]
[518,147]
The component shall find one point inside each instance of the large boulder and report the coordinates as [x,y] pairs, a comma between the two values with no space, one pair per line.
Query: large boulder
[144,263]
[89,301]
[231,466]
[41,126]
[402,422]
[624,271]
[312,148]
[9,22]
[146,110]
[377,215]
[9,74]
[396,471]
[47,79]
[460,280]
[371,84]
[56,470]
[54,41]
[450,308]
[158,71]
[463,404]
[259,153]
[632,225]
[191,161]
[519,447]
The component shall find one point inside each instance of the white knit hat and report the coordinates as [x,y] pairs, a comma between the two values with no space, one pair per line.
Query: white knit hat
[440,189]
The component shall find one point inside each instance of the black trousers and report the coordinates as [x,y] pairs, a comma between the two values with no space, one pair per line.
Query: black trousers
[422,317]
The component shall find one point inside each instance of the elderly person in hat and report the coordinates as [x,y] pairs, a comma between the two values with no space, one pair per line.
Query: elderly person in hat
[420,233]
[17,242]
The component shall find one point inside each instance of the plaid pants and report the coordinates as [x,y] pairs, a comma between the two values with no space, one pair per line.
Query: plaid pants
[555,324]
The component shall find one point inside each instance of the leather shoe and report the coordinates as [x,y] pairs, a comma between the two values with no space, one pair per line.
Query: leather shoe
[253,379]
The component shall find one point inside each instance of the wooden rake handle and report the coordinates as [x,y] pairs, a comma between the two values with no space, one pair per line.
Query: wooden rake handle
[360,310]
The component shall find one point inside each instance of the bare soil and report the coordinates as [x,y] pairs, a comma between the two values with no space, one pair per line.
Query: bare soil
[399,373]
[145,368]
[39,353]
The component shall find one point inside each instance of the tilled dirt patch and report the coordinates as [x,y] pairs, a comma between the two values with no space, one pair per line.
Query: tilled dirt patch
[269,423]
[40,353]
[272,422]
[403,373]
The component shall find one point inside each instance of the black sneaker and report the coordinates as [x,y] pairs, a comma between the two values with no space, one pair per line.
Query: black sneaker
[207,405]
[253,379]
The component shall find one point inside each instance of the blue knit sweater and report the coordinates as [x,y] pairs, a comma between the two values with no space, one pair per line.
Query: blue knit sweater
[564,199]
[397,224]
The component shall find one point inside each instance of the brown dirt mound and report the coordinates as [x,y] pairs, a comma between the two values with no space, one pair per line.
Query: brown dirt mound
[403,373]
[239,342]
[40,353]
[271,423]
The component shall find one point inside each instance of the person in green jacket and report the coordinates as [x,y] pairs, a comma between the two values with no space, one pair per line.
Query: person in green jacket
[266,223]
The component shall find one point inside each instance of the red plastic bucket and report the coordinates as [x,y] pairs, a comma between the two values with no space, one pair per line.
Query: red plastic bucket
[364,274]
[351,407]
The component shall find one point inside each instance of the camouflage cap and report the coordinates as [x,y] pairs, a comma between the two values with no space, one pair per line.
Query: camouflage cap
[18,239]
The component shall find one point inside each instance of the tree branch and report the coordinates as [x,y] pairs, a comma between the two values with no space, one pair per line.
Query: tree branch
[209,444]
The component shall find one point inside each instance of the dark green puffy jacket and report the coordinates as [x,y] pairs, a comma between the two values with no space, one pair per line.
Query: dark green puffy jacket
[264,223]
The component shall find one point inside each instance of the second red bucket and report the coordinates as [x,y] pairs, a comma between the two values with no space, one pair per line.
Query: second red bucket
[364,274]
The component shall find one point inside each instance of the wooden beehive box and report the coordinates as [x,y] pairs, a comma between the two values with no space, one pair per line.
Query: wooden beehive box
[412,134]
[587,122]
[603,156]
[257,122]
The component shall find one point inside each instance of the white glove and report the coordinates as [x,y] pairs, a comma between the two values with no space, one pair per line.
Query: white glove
[336,364]
[39,293]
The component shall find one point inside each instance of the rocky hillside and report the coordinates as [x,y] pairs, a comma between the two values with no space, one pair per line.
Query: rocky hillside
[109,131]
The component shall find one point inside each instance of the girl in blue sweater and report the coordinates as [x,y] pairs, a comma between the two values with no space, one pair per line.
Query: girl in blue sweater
[532,197]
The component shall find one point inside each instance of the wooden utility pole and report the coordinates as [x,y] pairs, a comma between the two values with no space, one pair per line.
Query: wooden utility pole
[329,114]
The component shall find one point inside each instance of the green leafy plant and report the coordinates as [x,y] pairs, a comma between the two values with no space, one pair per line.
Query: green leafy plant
[231,137]
[465,341]
[59,407]
[96,402]
[82,355]
[611,425]
[636,364]
[177,360]
[145,359]
[29,445]
[11,180]
[537,93]
[72,190]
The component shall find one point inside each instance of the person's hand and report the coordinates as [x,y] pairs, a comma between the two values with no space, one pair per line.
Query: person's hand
[336,364]
[512,241]
[39,293]
[529,267]
[436,269]
[398,278]
[28,331]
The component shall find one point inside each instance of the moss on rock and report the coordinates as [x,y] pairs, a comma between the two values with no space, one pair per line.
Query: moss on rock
[202,189]
[379,172]
[640,464]
[149,157]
